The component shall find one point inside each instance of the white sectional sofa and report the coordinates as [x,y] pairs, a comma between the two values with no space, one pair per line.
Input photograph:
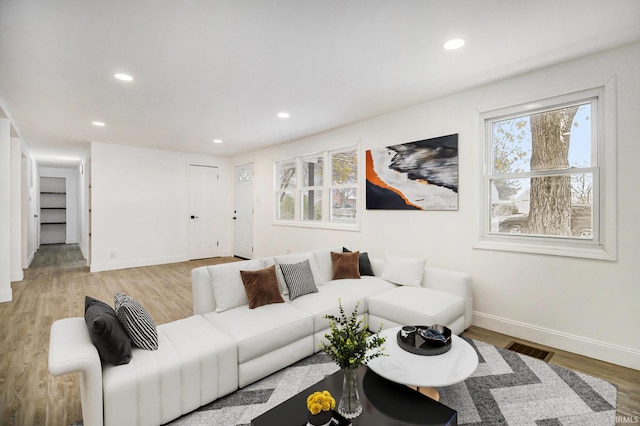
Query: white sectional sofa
[227,345]
[274,336]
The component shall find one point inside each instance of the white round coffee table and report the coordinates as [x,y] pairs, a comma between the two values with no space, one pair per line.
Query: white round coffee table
[421,371]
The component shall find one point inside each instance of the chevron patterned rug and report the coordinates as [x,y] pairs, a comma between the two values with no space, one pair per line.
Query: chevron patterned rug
[507,388]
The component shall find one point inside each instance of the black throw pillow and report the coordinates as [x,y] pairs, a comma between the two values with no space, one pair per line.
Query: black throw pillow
[107,333]
[363,262]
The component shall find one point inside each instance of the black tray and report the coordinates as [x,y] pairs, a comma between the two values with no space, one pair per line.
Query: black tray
[419,345]
[336,420]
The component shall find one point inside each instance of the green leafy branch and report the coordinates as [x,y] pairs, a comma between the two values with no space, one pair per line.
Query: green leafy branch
[350,342]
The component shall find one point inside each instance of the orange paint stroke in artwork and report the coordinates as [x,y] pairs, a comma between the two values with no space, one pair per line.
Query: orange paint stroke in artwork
[373,178]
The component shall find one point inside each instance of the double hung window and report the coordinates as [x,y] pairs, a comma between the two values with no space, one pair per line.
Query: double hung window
[549,178]
[318,189]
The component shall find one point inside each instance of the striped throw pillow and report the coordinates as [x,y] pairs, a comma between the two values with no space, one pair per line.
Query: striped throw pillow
[299,278]
[136,321]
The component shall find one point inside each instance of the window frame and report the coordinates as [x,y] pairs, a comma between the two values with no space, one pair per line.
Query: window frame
[304,187]
[326,221]
[331,186]
[603,245]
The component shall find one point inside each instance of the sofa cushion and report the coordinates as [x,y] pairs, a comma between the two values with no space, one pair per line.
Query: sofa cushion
[299,278]
[262,287]
[363,287]
[195,364]
[260,331]
[416,306]
[136,321]
[364,263]
[403,270]
[345,265]
[228,288]
[326,302]
[106,332]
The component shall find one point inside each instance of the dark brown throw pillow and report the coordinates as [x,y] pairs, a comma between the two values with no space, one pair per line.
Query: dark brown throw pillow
[262,287]
[345,265]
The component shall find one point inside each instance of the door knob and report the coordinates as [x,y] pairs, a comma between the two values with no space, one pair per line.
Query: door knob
[194,217]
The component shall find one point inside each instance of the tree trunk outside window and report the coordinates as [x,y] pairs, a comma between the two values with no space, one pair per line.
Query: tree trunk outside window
[550,198]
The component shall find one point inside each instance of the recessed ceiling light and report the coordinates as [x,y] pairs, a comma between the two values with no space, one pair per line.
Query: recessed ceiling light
[454,43]
[98,123]
[217,141]
[284,114]
[123,77]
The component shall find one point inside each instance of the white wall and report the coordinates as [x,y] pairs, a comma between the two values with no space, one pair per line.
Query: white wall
[29,185]
[5,210]
[139,204]
[71,182]
[584,306]
[16,210]
[84,205]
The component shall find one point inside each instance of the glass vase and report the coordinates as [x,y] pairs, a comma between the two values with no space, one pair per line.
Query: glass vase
[349,405]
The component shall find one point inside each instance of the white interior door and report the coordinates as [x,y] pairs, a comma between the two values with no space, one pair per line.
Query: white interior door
[203,200]
[243,212]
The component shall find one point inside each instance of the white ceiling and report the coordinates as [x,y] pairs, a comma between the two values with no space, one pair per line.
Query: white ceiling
[208,69]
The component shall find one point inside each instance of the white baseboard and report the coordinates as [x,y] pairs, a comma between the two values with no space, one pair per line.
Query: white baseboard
[17,275]
[6,296]
[99,267]
[83,250]
[615,354]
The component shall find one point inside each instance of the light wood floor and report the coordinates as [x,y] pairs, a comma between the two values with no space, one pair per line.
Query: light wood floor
[55,286]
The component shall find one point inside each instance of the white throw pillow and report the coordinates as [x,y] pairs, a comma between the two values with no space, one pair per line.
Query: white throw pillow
[403,270]
[324,263]
[228,288]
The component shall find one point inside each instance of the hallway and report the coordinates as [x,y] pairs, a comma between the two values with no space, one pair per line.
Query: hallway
[58,258]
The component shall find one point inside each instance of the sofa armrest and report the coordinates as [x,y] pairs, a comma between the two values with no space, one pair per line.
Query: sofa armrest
[453,282]
[204,300]
[71,350]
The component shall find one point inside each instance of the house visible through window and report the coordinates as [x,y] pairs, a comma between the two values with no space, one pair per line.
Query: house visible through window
[544,181]
[318,188]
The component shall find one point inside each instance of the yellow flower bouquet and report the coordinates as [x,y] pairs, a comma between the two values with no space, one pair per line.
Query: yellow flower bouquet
[320,405]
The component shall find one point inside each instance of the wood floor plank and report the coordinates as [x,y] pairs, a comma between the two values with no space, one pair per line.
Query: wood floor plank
[54,287]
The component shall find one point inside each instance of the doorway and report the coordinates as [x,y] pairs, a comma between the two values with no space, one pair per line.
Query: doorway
[243,212]
[203,214]
[53,210]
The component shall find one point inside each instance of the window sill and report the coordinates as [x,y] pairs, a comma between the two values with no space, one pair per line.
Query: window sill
[353,227]
[579,249]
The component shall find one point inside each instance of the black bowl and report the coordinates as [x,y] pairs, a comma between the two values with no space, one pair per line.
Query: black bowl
[435,335]
[426,340]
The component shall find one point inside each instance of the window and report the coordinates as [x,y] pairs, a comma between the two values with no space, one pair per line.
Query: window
[332,174]
[286,190]
[344,180]
[549,177]
[312,183]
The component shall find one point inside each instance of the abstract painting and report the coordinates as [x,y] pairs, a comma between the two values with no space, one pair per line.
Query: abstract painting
[420,175]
